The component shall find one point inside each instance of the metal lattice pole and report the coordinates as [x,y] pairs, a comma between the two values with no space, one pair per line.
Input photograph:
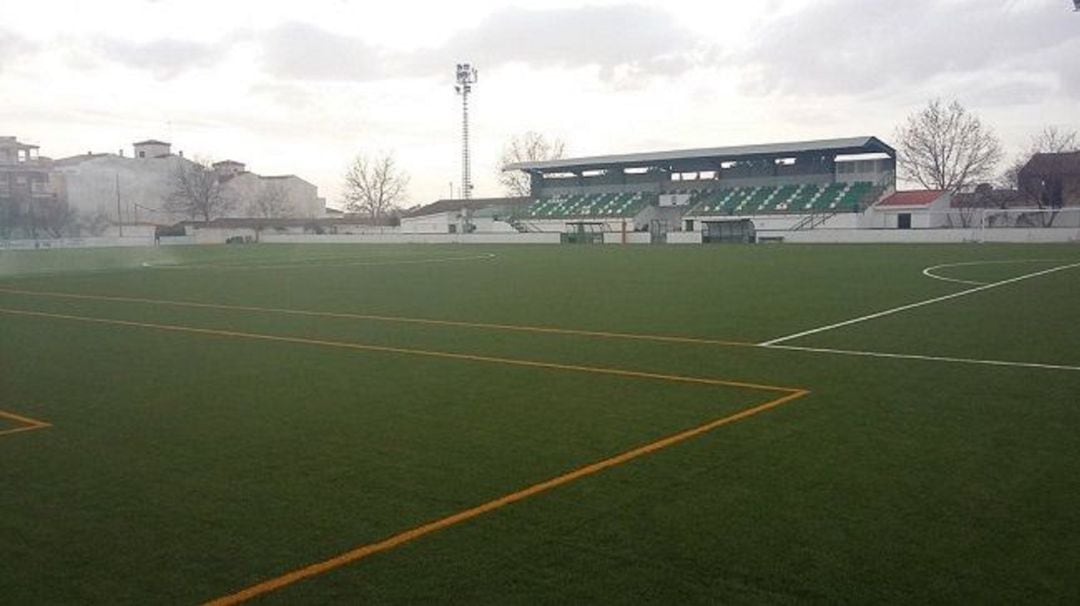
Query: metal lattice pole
[466,78]
[466,178]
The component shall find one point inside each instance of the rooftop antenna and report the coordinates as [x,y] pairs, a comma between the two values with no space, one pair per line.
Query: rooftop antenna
[466,78]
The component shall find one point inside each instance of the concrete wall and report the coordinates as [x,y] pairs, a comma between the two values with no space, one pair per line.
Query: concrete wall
[473,238]
[218,235]
[780,223]
[438,223]
[684,237]
[104,242]
[634,237]
[560,225]
[931,236]
[488,225]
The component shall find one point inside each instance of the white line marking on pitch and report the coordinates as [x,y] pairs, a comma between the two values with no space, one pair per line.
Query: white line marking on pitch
[900,356]
[929,271]
[889,312]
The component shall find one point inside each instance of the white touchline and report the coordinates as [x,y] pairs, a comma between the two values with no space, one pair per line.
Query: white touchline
[881,354]
[929,271]
[889,312]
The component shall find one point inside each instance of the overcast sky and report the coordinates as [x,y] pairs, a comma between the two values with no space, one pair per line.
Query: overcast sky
[301,87]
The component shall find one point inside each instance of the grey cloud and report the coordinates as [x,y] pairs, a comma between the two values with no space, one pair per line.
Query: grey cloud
[166,58]
[859,47]
[13,46]
[638,37]
[305,52]
[1015,91]
[638,40]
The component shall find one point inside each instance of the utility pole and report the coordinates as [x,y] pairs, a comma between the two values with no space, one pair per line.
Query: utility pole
[119,219]
[466,78]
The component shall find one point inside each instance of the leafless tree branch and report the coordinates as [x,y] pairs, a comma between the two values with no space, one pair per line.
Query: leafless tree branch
[198,192]
[530,146]
[946,147]
[375,185]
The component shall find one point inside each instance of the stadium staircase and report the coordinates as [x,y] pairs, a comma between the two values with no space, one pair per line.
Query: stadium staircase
[517,224]
[813,220]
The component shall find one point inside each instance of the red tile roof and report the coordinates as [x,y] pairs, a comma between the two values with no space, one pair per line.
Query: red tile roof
[924,197]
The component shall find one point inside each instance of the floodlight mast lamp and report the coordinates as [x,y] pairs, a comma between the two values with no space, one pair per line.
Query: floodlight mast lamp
[466,78]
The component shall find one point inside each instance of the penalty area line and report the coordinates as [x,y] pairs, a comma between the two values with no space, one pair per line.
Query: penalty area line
[924,358]
[787,394]
[894,310]
[552,330]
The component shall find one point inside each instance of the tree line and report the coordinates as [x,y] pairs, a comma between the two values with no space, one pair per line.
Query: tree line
[942,146]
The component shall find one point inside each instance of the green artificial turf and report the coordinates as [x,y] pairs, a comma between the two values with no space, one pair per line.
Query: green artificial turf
[184,466]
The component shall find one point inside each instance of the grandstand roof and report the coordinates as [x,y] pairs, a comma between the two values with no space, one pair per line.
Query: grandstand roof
[473,204]
[924,197]
[850,145]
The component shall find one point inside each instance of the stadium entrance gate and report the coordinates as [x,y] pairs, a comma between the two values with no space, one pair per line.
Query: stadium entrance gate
[740,231]
[658,231]
[583,232]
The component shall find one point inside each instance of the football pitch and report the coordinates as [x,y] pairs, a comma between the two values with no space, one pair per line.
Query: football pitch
[541,424]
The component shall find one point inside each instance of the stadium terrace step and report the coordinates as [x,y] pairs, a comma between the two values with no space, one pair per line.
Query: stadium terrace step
[583,206]
[791,198]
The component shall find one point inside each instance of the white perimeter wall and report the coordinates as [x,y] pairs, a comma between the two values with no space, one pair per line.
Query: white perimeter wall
[77,243]
[929,236]
[438,223]
[632,237]
[684,237]
[473,238]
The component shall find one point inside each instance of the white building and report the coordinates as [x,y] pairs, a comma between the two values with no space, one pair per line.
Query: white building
[135,189]
[476,215]
[919,209]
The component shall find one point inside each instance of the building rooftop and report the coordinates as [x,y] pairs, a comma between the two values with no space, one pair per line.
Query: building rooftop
[1064,163]
[924,197]
[152,142]
[473,204]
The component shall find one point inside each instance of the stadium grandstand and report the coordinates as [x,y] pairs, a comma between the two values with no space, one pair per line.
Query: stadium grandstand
[724,193]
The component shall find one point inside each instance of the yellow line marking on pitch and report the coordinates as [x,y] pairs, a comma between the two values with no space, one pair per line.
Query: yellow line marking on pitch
[410,535]
[381,318]
[398,350]
[28,424]
[364,551]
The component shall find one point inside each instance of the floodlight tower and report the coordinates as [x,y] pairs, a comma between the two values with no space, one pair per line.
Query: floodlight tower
[466,78]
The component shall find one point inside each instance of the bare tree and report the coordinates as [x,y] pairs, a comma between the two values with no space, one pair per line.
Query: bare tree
[198,192]
[527,147]
[1053,140]
[269,201]
[946,147]
[375,185]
